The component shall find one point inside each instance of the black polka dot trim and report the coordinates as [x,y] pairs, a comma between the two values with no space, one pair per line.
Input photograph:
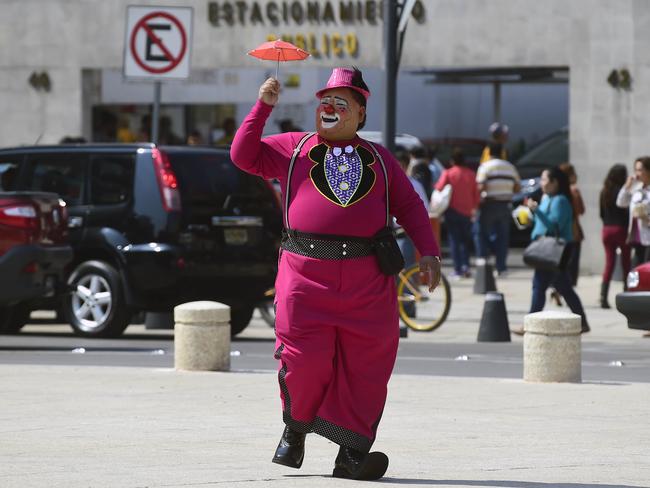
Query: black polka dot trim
[325,428]
[298,426]
[341,435]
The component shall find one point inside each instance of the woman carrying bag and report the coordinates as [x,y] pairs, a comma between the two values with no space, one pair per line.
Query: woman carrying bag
[554,218]
[461,211]
[635,195]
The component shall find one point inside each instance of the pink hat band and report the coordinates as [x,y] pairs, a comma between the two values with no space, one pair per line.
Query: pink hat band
[343,78]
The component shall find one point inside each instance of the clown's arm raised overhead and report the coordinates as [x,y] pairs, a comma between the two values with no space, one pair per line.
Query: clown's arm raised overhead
[268,157]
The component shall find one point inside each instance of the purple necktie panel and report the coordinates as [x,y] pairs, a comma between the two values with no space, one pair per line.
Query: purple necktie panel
[343,171]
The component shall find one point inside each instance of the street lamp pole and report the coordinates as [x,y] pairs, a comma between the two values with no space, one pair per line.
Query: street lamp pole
[390,65]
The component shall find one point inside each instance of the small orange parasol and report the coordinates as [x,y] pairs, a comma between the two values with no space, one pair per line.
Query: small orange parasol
[278,51]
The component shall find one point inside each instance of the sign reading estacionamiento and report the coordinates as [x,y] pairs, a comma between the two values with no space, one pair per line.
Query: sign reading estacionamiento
[231,13]
[315,14]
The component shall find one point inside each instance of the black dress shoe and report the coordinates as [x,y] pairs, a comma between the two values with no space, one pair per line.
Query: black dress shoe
[291,449]
[355,465]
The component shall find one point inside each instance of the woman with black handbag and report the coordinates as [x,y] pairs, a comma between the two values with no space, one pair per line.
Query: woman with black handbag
[554,218]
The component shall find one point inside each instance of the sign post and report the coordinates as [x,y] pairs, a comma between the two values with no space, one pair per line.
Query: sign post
[390,67]
[157,47]
[155,118]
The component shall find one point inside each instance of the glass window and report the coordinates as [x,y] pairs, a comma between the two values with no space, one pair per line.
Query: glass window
[209,182]
[9,166]
[111,179]
[58,173]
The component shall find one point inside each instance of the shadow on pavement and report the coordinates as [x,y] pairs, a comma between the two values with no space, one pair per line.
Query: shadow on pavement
[124,337]
[501,483]
[252,339]
[84,348]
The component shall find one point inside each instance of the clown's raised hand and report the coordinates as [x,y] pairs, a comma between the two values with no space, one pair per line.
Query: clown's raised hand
[270,91]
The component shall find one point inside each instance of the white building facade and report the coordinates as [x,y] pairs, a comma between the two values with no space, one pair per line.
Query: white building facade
[61,71]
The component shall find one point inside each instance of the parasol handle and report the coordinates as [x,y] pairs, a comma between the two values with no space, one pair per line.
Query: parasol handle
[277,68]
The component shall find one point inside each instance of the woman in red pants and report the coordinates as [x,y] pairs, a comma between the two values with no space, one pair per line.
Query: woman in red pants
[615,223]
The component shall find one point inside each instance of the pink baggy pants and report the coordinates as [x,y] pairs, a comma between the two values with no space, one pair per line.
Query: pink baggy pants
[337,332]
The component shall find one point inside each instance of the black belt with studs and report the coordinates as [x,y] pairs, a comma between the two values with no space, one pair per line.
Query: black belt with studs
[326,246]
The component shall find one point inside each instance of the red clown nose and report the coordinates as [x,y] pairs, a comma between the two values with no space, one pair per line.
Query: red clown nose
[329,109]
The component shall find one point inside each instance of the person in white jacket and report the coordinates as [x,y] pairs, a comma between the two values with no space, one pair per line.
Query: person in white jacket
[635,195]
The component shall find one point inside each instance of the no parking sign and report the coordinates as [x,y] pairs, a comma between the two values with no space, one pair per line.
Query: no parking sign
[157,42]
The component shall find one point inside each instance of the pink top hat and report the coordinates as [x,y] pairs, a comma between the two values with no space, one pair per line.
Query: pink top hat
[345,78]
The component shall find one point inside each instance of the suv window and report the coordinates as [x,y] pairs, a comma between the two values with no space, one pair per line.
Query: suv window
[210,181]
[57,173]
[111,179]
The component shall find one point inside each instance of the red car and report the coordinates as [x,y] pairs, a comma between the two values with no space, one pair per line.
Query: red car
[635,302]
[34,251]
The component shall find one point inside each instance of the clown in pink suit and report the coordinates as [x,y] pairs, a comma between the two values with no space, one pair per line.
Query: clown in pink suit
[337,324]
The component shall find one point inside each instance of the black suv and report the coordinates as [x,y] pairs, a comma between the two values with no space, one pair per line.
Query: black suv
[152,227]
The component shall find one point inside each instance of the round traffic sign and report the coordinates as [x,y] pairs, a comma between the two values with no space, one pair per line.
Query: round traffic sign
[171,59]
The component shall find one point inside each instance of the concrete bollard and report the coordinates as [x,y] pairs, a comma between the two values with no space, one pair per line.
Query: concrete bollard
[202,336]
[552,347]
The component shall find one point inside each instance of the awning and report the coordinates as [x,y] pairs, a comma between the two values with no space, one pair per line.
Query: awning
[539,74]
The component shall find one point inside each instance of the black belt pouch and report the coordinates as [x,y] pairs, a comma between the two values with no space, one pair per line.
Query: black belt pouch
[389,256]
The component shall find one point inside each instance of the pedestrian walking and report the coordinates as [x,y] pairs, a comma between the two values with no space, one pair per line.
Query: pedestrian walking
[498,133]
[553,216]
[228,135]
[405,242]
[497,180]
[420,171]
[614,233]
[435,166]
[462,210]
[337,326]
[194,138]
[578,207]
[635,195]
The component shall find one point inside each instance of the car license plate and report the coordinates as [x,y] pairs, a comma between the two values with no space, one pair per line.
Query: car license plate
[235,237]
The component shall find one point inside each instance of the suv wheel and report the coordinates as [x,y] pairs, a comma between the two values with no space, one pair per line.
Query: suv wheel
[13,318]
[240,317]
[96,305]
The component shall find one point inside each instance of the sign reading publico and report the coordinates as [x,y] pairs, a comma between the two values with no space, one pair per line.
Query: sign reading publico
[157,42]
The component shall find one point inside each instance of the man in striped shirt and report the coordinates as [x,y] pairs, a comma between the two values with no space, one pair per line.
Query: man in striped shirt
[497,180]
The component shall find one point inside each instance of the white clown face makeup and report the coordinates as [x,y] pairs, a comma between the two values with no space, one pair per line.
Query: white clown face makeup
[330,108]
[338,115]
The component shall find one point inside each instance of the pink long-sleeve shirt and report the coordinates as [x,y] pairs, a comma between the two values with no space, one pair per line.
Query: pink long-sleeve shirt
[310,210]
